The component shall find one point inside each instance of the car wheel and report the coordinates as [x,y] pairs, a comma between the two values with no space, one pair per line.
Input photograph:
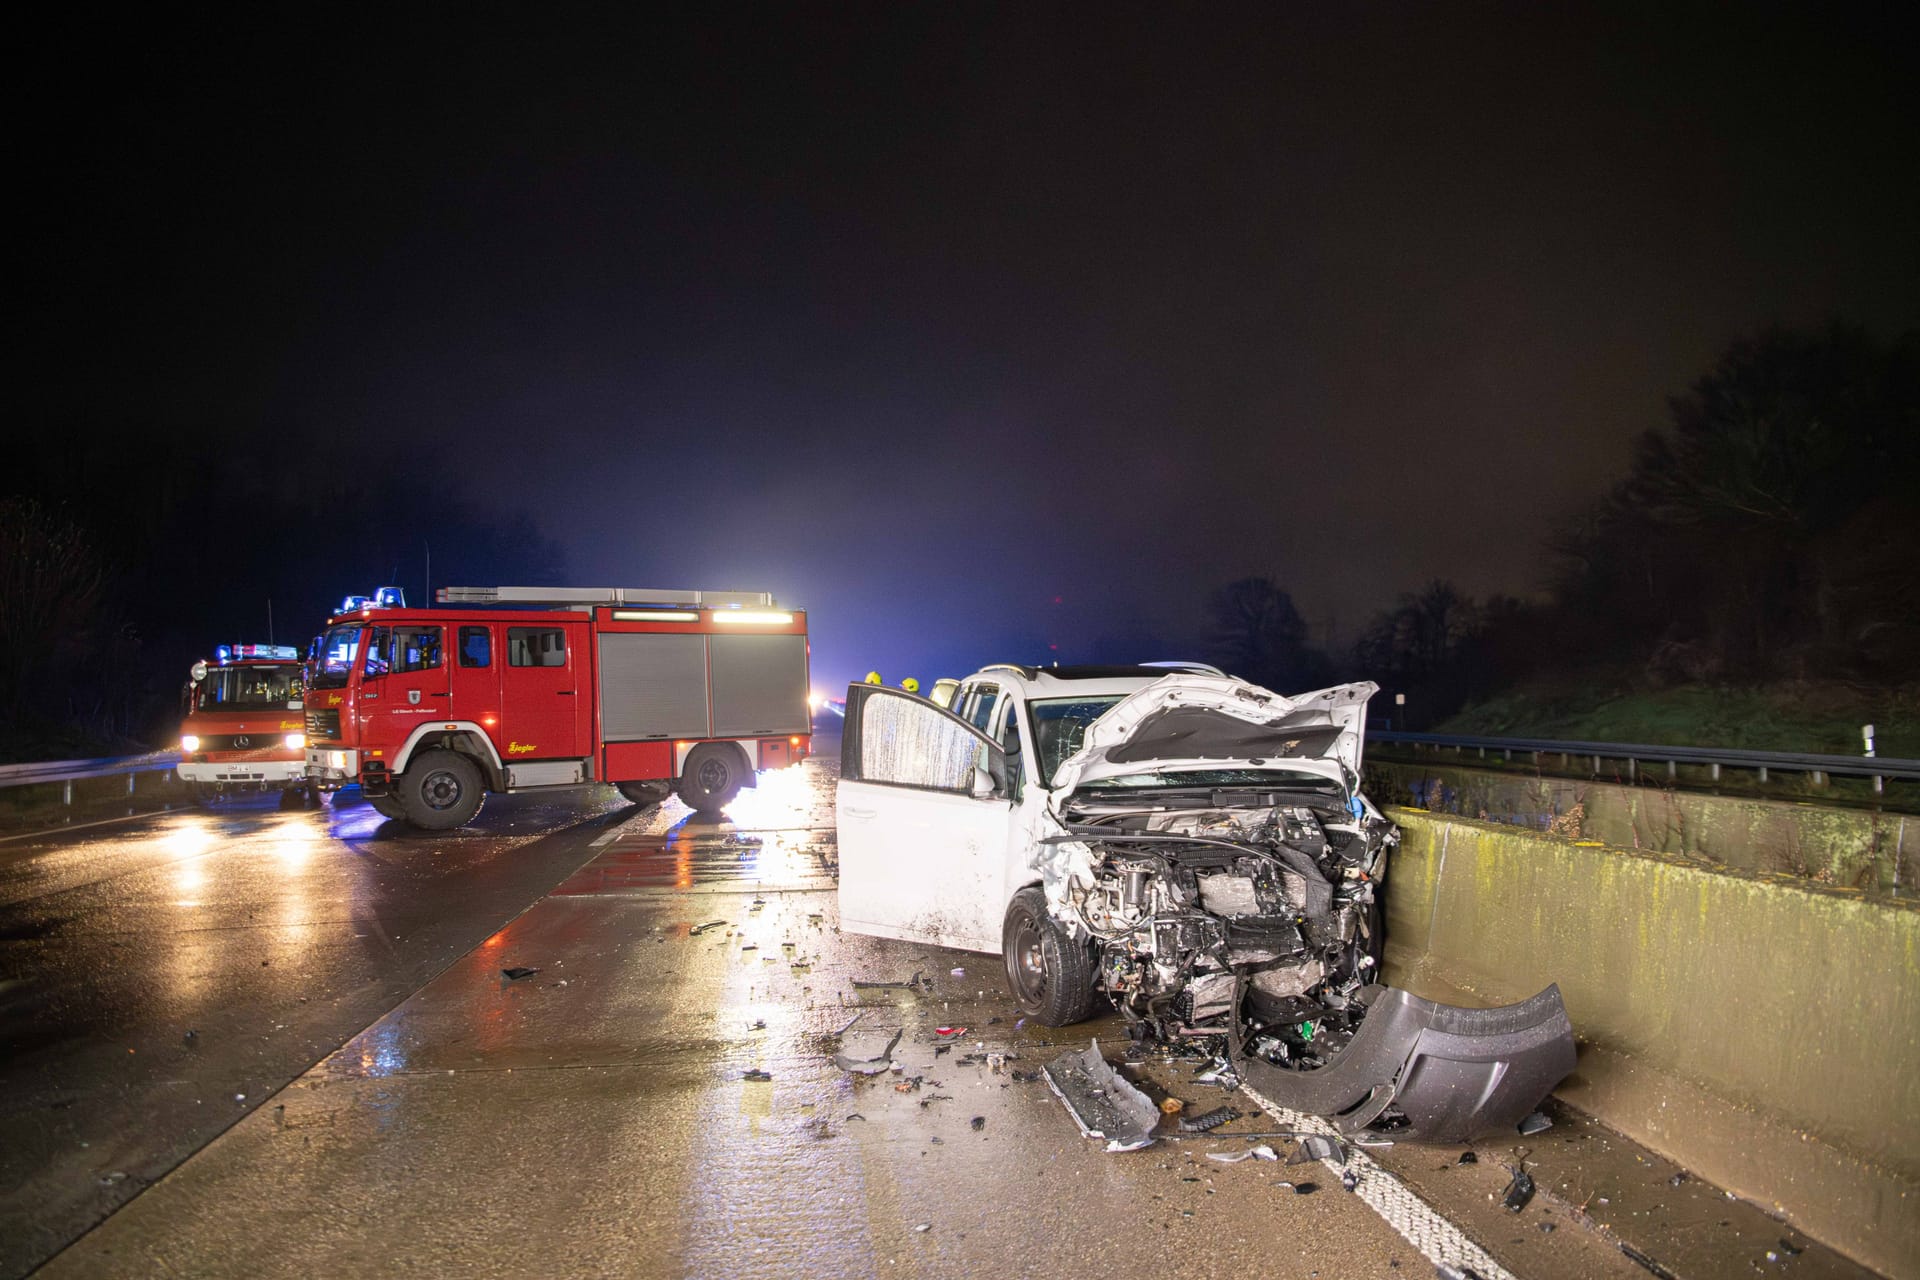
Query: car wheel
[711,777]
[440,790]
[387,807]
[644,794]
[1049,973]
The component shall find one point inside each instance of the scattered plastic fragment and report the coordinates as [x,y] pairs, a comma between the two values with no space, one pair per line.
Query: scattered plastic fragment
[942,1048]
[949,1031]
[699,929]
[1371,1140]
[1305,1188]
[868,1053]
[1208,1121]
[958,973]
[1650,1264]
[1467,1157]
[1677,1179]
[1447,1271]
[517,972]
[1537,1122]
[1789,1248]
[1317,1146]
[855,1115]
[756,1074]
[1519,1191]
[925,1226]
[108,1180]
[1172,1106]
[932,1098]
[977,1123]
[759,1024]
[1349,1179]
[995,1061]
[850,1021]
[1251,1153]
[1100,1101]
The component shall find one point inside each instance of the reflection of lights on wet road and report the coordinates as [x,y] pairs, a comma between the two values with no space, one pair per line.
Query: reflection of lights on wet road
[190,837]
[292,840]
[381,1053]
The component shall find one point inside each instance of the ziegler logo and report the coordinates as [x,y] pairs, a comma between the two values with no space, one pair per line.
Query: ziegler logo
[333,699]
[520,748]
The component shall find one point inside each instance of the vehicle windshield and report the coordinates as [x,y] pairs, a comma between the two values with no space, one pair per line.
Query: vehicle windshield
[334,662]
[1060,725]
[234,688]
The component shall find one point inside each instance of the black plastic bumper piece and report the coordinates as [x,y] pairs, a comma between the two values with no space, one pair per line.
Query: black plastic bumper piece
[1455,1074]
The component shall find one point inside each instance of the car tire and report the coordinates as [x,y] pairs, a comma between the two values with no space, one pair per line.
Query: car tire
[439,791]
[1049,973]
[388,807]
[644,794]
[711,777]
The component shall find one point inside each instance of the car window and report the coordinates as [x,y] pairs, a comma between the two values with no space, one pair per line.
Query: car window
[980,713]
[379,653]
[1059,726]
[912,744]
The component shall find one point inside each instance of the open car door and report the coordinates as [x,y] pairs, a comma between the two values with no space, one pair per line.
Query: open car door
[922,813]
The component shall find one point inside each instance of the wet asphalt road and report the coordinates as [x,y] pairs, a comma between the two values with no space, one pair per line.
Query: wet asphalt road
[598,1117]
[160,978]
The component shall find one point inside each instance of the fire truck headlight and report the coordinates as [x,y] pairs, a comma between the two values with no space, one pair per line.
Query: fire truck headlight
[189,742]
[295,741]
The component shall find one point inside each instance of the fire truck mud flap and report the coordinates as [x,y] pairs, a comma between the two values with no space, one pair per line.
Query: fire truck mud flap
[1439,1073]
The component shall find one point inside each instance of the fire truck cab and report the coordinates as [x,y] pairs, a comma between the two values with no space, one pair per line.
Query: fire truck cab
[515,688]
[243,728]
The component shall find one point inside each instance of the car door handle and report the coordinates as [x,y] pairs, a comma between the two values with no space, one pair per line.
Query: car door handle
[563,693]
[852,812]
[439,695]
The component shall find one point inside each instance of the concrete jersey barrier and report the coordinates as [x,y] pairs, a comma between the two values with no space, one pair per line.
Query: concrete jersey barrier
[1759,1030]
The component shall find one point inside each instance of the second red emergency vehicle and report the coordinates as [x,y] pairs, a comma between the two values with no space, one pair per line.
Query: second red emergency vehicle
[513,688]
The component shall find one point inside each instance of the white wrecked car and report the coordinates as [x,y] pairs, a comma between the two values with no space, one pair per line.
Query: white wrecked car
[1196,849]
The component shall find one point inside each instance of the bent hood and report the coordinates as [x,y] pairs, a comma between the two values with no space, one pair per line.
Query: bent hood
[1211,722]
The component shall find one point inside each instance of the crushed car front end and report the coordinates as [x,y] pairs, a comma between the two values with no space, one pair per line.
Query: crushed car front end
[1214,852]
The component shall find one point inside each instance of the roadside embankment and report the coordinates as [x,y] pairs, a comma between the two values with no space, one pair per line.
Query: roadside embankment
[1758,1029]
[1860,847]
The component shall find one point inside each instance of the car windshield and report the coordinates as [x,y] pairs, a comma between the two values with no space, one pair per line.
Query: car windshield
[334,662]
[1060,725]
[232,688]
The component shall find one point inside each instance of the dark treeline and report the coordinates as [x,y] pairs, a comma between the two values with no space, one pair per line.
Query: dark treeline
[124,557]
[1768,532]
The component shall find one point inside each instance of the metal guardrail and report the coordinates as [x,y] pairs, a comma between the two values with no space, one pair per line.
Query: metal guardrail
[1879,768]
[69,771]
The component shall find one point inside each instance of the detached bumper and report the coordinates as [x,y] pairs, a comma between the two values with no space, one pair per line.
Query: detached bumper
[1456,1074]
[332,766]
[242,774]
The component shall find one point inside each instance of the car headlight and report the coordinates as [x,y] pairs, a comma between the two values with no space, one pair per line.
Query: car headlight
[189,742]
[295,741]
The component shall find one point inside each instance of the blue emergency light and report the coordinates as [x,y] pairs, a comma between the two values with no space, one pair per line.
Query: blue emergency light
[222,653]
[389,598]
[352,603]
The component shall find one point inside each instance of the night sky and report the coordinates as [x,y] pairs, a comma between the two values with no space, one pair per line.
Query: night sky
[974,331]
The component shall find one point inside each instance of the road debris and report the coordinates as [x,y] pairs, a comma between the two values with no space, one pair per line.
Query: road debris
[868,1053]
[950,1032]
[850,1021]
[1519,1191]
[915,983]
[1536,1122]
[1467,1157]
[924,1226]
[1102,1103]
[1172,1106]
[518,972]
[1317,1146]
[1208,1121]
[699,929]
[1251,1153]
[756,1075]
[1349,1179]
[977,1123]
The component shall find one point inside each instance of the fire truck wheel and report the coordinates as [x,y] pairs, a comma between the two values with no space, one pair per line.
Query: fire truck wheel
[387,807]
[644,794]
[711,777]
[439,791]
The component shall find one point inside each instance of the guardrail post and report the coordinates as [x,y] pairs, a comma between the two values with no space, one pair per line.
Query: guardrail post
[1633,769]
[130,780]
[1879,784]
[1716,770]
[1672,772]
[66,792]
[1763,773]
[1596,764]
[1819,778]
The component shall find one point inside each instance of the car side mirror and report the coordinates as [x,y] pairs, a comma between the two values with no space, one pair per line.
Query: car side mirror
[981,784]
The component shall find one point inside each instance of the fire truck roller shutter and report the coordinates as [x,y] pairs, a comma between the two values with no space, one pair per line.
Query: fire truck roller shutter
[653,687]
[759,686]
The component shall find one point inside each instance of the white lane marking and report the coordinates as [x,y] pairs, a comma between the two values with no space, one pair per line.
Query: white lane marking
[1417,1222]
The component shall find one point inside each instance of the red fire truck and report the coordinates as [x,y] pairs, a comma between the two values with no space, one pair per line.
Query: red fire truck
[243,729]
[513,688]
